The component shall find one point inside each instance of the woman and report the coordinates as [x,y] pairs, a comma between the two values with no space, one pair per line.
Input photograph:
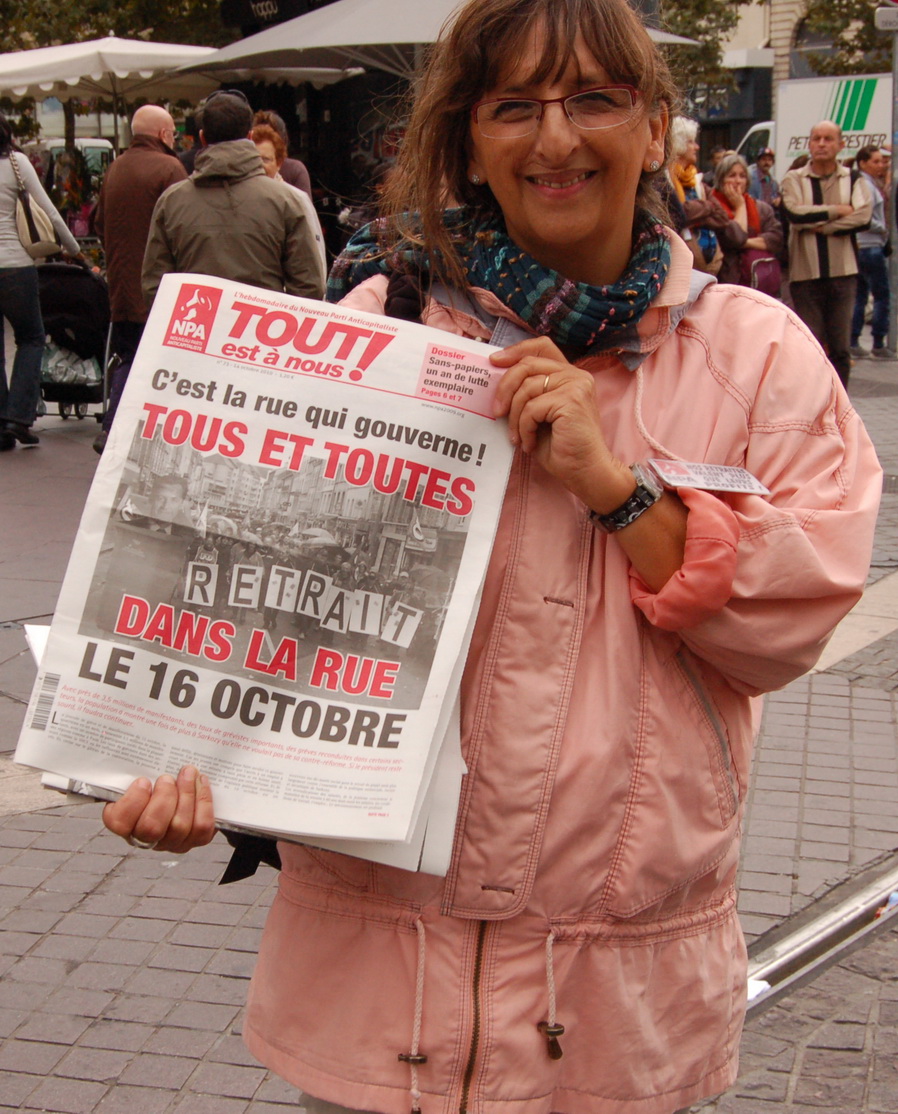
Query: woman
[19,302]
[583,954]
[272,149]
[701,215]
[753,232]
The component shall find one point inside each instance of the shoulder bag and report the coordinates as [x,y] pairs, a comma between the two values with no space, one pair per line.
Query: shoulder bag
[35,228]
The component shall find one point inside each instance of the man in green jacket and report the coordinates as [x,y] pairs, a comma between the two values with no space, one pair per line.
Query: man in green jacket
[229,219]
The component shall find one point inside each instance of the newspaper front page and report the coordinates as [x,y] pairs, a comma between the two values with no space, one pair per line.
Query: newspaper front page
[278,564]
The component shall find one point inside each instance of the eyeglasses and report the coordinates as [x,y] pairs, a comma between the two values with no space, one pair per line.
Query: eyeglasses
[228,92]
[605,106]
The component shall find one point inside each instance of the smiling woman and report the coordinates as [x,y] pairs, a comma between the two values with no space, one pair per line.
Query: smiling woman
[583,953]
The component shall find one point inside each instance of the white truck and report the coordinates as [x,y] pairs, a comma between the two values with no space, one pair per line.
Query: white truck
[861,105]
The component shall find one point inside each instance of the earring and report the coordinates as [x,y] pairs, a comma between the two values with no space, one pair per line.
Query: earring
[654,165]
[475,179]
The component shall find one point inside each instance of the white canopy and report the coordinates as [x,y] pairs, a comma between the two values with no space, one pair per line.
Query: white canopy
[380,34]
[118,68]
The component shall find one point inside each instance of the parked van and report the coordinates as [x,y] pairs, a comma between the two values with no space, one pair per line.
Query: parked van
[98,154]
[861,105]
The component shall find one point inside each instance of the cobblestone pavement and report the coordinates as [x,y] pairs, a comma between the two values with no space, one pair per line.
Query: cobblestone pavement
[124,973]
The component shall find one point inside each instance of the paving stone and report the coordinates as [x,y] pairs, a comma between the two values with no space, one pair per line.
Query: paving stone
[31,1057]
[124,1036]
[17,1086]
[99,1064]
[174,958]
[277,1090]
[137,1100]
[202,1015]
[143,1008]
[58,1028]
[208,1104]
[148,1070]
[171,1041]
[229,1080]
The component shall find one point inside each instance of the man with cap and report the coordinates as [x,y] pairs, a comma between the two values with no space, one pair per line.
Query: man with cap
[762,185]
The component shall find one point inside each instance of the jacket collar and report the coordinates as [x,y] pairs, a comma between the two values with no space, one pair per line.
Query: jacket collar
[151,143]
[234,160]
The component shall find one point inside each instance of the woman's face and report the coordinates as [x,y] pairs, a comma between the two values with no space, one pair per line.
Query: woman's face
[737,179]
[269,160]
[567,194]
[690,155]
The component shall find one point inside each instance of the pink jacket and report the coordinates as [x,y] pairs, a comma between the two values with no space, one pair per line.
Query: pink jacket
[608,733]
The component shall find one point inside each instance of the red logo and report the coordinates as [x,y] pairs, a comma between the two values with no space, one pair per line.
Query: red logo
[191,323]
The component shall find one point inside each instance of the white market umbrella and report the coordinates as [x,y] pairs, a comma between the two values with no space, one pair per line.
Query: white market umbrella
[118,68]
[380,34]
[109,67]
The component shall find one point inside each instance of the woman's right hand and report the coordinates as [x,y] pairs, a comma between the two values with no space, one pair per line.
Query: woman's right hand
[172,815]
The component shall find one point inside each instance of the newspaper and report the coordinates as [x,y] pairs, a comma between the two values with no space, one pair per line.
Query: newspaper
[278,565]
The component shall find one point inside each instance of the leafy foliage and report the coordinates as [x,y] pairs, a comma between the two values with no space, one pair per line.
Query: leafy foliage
[708,21]
[857,46]
[25,24]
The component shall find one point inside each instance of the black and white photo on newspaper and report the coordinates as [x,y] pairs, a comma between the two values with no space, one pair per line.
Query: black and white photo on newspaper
[278,563]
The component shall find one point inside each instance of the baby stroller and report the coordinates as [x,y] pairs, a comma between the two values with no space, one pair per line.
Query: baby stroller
[75,308]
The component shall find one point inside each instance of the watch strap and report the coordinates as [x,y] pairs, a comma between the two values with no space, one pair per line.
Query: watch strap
[647,493]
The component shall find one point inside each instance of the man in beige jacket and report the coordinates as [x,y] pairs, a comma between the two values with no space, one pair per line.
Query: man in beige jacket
[826,205]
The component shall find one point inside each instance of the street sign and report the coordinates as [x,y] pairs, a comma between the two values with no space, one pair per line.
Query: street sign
[887,19]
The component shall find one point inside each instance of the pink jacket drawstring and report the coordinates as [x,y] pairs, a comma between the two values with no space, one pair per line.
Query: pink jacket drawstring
[415,1057]
[551,1028]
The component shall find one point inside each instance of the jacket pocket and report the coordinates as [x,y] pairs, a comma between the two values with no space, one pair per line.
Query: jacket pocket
[715,737]
[681,819]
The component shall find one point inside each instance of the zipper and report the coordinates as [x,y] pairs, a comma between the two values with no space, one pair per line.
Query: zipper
[474,1048]
[723,746]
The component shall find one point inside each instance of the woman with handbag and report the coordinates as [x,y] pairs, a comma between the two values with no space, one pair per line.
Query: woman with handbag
[752,238]
[19,302]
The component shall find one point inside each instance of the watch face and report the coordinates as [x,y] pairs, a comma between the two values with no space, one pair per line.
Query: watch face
[647,479]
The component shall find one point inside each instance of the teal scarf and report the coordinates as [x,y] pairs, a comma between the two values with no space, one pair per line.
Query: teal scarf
[588,319]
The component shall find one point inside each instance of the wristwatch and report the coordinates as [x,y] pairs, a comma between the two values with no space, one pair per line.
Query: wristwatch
[648,491]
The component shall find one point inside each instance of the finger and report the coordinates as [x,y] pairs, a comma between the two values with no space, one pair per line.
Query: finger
[530,367]
[121,816]
[532,346]
[533,388]
[152,824]
[184,829]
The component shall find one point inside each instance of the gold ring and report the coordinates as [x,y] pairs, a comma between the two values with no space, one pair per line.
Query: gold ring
[141,844]
[545,384]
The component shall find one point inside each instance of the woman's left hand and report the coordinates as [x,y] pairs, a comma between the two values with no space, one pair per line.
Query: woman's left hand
[553,415]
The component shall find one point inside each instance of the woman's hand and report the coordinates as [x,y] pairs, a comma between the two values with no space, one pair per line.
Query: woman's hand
[553,415]
[174,815]
[734,195]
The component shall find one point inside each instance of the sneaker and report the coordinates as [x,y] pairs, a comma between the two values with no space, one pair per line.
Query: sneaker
[858,353]
[884,353]
[100,441]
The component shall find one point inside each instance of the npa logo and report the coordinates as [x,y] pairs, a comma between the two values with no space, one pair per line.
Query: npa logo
[191,323]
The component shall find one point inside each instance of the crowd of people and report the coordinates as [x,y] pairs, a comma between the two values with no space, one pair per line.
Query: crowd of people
[819,238]
[583,954]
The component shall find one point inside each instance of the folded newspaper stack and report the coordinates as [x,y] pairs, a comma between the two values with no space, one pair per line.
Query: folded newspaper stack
[277,572]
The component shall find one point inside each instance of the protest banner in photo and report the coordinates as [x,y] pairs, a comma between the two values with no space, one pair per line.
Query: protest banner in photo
[278,563]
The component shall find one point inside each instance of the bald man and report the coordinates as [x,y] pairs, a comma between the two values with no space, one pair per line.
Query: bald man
[131,188]
[826,205]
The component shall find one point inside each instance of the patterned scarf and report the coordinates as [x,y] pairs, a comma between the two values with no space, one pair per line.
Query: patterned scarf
[586,318]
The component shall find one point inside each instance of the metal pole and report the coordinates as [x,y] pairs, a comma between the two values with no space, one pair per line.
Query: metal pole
[892,198]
